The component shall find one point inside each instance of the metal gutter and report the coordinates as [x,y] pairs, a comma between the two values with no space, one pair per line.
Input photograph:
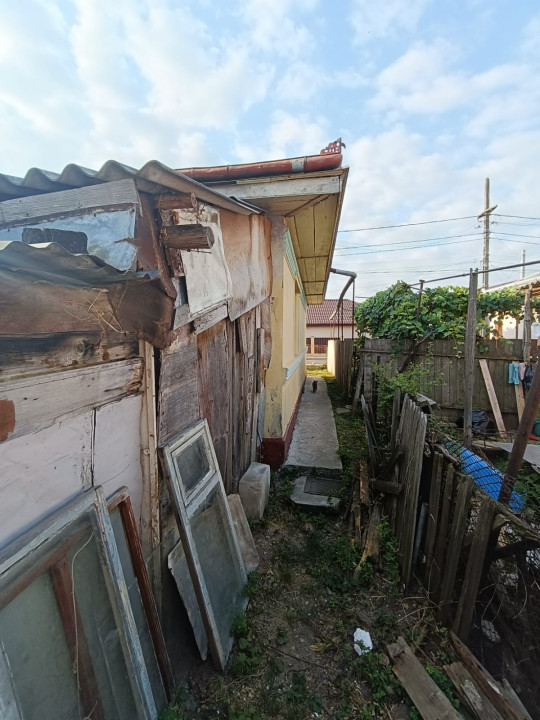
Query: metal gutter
[288,166]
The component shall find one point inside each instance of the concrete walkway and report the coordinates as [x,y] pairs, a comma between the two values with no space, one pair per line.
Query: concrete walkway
[314,441]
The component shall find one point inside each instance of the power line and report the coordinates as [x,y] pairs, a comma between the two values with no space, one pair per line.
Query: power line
[518,217]
[410,247]
[425,222]
[505,267]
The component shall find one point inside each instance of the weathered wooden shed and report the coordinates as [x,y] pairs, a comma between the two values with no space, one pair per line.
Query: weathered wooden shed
[133,304]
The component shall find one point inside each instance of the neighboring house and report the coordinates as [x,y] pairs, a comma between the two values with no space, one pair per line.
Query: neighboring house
[509,328]
[303,199]
[146,322]
[324,323]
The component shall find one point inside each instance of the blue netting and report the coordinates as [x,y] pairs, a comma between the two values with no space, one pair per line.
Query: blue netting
[487,477]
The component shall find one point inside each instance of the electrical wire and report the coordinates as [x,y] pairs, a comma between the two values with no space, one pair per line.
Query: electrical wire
[518,217]
[425,222]
[406,249]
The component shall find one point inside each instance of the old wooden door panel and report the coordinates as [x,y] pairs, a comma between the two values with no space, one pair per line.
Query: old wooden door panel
[215,388]
[117,449]
[178,402]
[31,404]
[42,471]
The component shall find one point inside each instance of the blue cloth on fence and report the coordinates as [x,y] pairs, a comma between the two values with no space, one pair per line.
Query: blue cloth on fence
[513,373]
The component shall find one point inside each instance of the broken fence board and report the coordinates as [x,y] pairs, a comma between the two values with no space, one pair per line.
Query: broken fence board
[486,683]
[413,470]
[474,571]
[459,523]
[492,396]
[437,566]
[469,693]
[430,701]
[434,503]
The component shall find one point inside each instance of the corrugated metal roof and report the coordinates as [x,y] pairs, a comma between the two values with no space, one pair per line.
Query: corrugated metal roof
[50,262]
[321,314]
[154,178]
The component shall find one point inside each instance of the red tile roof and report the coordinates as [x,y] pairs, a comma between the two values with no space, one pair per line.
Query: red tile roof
[320,314]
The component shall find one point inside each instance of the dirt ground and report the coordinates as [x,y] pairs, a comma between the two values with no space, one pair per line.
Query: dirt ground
[294,653]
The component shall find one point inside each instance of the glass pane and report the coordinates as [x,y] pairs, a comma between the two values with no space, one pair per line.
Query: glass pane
[101,631]
[32,635]
[219,562]
[138,610]
[192,464]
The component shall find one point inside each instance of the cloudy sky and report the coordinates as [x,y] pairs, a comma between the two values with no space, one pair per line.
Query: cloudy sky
[430,97]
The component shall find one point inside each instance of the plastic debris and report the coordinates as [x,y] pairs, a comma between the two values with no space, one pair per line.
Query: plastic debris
[362,641]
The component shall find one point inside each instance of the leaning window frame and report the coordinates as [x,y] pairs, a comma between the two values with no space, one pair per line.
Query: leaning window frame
[186,504]
[14,569]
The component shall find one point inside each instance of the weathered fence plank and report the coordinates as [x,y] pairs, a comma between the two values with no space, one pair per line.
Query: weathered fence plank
[475,566]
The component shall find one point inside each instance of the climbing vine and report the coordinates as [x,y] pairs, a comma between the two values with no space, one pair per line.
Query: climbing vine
[392,313]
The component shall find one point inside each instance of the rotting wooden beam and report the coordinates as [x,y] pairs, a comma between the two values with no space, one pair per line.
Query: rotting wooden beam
[187,237]
[486,682]
[116,195]
[176,202]
[430,701]
[492,396]
[470,694]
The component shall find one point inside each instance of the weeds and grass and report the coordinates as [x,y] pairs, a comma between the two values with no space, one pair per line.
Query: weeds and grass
[293,655]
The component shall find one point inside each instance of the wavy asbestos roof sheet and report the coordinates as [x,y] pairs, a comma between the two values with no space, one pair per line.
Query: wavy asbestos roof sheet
[153,178]
[50,262]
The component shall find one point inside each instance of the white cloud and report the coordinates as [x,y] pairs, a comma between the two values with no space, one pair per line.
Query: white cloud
[373,20]
[287,134]
[272,26]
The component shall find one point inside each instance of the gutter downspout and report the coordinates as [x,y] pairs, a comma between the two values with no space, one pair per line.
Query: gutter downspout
[352,277]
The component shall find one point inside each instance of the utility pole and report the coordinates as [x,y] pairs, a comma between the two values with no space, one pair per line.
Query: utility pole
[523,264]
[486,215]
[470,347]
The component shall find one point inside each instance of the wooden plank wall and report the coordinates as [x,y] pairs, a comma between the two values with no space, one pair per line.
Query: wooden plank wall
[343,350]
[217,374]
[446,362]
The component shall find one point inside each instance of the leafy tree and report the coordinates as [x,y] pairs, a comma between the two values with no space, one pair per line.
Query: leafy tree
[392,313]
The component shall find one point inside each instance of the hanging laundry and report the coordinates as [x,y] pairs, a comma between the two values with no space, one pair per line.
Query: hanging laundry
[527,378]
[513,373]
[522,368]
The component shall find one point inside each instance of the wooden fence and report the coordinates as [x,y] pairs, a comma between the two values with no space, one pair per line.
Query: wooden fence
[445,367]
[339,362]
[479,562]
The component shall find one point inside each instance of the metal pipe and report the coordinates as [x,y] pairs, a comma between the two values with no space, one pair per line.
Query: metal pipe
[349,274]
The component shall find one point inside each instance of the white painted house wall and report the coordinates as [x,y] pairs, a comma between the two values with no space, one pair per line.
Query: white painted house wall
[70,447]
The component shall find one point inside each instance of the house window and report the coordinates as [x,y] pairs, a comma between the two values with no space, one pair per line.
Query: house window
[68,641]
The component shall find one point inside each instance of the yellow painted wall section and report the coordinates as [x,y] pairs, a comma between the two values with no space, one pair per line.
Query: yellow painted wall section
[291,391]
[286,373]
[275,375]
[289,316]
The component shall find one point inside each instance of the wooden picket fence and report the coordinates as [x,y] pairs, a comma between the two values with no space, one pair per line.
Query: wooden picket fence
[475,557]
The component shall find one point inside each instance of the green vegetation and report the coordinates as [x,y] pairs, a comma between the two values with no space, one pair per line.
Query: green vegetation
[392,313]
[293,656]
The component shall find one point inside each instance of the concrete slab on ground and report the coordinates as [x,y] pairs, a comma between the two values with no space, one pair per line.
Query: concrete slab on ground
[316,492]
[314,441]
